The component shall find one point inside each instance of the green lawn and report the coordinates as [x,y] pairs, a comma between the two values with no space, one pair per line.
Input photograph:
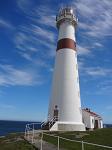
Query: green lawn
[100,136]
[15,142]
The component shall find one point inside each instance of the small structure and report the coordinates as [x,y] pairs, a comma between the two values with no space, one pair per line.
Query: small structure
[91,120]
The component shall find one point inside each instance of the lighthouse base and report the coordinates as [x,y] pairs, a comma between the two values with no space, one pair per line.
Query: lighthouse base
[67,126]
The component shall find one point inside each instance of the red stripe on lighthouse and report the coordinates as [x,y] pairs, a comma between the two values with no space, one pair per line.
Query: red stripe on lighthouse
[66,43]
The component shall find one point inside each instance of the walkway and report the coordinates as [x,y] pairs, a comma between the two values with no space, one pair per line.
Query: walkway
[46,146]
[37,142]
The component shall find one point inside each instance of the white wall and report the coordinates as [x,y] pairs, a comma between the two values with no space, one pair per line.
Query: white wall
[65,88]
[92,121]
[86,119]
[101,123]
[89,120]
[66,31]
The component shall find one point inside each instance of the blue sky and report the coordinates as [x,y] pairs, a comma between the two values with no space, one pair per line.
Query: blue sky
[28,38]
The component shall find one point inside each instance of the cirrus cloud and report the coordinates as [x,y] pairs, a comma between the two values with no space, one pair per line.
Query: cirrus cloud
[11,76]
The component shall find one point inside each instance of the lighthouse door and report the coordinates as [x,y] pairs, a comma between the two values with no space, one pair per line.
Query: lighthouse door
[56,113]
[96,124]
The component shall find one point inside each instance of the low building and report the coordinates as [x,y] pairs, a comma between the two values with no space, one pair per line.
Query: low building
[91,120]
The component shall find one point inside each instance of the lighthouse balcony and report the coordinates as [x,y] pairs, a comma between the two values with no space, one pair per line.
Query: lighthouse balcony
[66,14]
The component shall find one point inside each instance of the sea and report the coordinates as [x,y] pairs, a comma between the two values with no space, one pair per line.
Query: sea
[7,127]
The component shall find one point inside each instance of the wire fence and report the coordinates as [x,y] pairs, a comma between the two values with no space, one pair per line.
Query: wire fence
[69,144]
[35,136]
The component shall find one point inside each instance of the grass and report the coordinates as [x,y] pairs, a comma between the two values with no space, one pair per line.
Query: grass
[100,136]
[15,142]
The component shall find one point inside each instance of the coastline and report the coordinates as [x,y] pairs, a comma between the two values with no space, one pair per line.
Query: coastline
[2,136]
[7,127]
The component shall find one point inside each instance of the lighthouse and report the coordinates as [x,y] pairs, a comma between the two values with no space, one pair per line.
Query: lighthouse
[65,113]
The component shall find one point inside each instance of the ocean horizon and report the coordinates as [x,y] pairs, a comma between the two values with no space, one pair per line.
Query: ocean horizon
[12,126]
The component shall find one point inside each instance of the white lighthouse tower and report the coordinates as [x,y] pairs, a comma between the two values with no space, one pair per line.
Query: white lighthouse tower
[65,107]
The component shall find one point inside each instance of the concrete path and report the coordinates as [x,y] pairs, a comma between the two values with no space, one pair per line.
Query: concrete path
[46,146]
[37,142]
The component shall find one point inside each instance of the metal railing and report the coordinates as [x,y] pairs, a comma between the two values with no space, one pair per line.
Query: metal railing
[44,123]
[30,131]
[31,128]
[52,121]
[83,143]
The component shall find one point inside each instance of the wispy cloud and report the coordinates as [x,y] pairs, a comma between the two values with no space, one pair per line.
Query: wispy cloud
[25,45]
[82,50]
[105,87]
[10,76]
[39,32]
[97,17]
[98,71]
[97,44]
[34,38]
[94,71]
[5,24]
[41,14]
[25,6]
[46,16]
[94,23]
[101,76]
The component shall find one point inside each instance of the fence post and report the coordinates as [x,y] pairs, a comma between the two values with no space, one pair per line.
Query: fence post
[28,135]
[33,134]
[58,142]
[41,141]
[82,145]
[25,133]
[49,125]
